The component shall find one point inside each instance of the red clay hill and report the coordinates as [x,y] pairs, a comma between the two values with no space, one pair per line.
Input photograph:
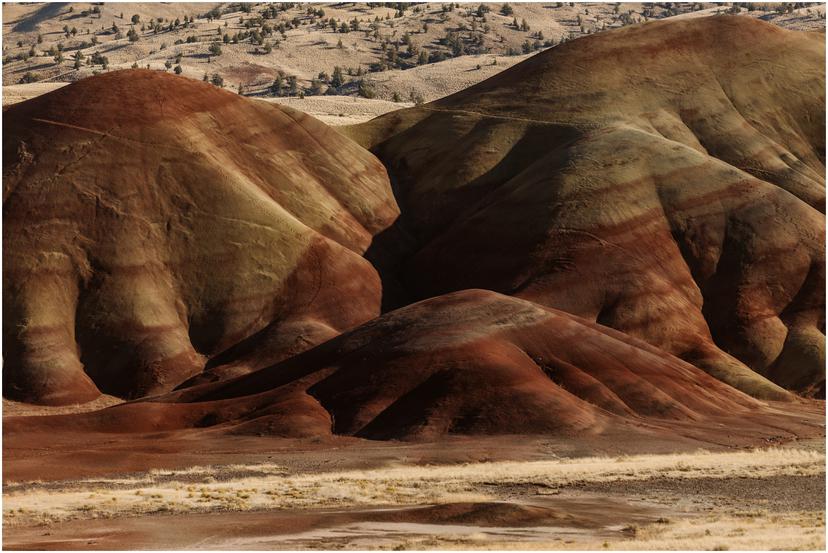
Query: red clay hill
[641,207]
[666,180]
[152,221]
[471,362]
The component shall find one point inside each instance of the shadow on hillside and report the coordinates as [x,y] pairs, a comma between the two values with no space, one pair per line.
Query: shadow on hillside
[30,22]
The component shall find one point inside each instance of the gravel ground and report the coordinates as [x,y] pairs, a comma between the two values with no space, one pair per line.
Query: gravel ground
[773,493]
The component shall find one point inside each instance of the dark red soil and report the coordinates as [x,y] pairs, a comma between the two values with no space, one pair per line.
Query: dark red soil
[472,362]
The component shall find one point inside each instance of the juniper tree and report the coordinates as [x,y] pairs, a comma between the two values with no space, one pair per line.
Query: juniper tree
[278,84]
[336,78]
[365,90]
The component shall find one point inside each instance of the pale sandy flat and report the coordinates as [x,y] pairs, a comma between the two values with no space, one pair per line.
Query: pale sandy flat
[340,110]
[15,93]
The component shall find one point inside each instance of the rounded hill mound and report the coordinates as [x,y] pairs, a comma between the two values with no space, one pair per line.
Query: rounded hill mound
[666,180]
[470,362]
[151,222]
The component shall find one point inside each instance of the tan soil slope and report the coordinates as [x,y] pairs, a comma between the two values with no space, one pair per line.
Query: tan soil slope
[312,46]
[304,50]
[471,362]
[152,221]
[665,179]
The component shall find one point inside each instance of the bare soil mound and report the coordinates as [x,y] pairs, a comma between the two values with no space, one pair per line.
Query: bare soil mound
[490,514]
[665,179]
[151,222]
[471,362]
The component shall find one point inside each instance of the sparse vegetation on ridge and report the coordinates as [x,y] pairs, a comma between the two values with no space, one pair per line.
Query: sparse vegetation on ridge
[238,41]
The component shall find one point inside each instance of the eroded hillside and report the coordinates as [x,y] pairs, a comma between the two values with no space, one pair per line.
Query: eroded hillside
[679,199]
[152,221]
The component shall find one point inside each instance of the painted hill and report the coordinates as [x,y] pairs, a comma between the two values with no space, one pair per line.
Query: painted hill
[471,362]
[152,221]
[666,180]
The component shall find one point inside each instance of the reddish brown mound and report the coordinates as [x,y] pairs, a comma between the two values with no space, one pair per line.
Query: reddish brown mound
[472,362]
[152,221]
[666,180]
[487,514]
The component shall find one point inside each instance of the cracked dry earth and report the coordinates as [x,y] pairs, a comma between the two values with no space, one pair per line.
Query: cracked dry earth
[740,499]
